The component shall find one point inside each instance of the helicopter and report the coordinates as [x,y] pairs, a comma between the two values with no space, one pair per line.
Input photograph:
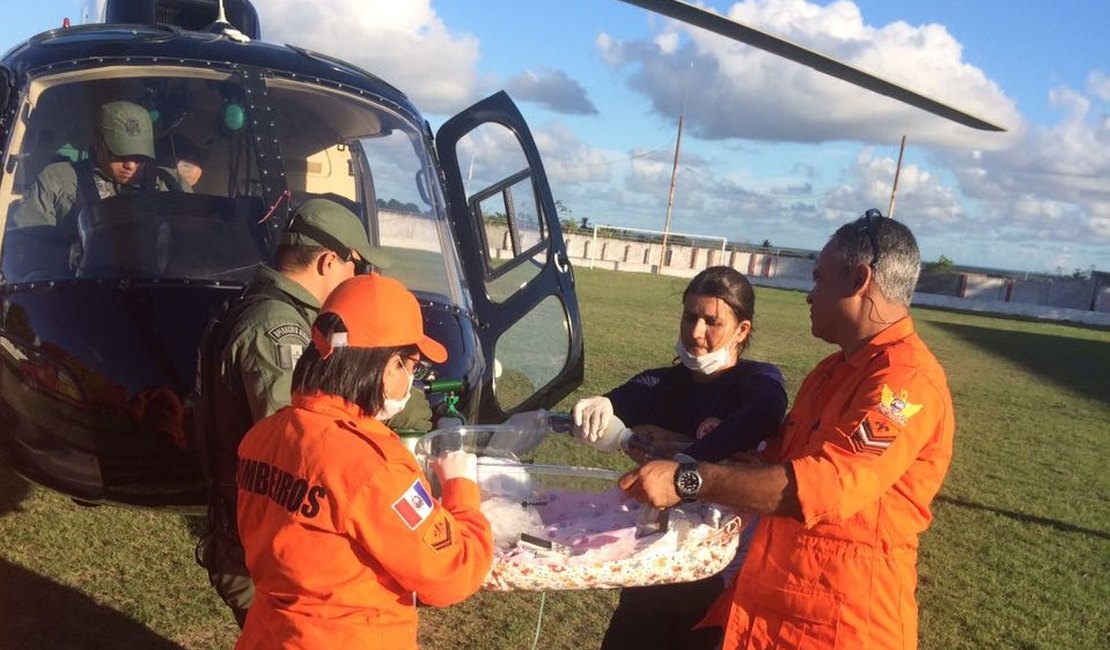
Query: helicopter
[100,322]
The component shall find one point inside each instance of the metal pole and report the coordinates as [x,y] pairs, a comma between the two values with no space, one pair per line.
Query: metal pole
[897,171]
[670,195]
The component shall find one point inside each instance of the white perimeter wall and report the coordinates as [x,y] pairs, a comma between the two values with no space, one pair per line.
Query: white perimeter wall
[1063,299]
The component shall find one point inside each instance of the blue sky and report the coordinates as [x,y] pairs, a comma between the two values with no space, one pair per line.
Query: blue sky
[771,150]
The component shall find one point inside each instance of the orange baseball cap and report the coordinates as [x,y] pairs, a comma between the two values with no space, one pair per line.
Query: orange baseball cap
[379,312]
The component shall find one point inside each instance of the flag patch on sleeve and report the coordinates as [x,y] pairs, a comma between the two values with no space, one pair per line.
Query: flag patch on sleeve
[414,506]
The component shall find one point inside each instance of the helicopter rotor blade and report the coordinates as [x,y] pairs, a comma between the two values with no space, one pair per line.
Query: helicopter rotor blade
[728,28]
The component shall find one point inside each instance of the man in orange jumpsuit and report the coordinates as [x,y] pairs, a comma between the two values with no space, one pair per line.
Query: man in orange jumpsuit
[340,530]
[850,475]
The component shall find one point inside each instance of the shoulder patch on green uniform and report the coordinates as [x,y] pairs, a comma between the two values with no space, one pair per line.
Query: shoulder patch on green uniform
[288,329]
[291,340]
[288,354]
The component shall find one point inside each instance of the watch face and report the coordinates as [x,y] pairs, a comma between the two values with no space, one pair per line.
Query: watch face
[688,482]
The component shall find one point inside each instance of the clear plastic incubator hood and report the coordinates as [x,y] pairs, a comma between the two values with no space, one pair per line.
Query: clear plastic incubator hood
[558,527]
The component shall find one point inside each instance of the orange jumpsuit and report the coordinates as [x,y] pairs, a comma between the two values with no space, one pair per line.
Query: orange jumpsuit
[341,533]
[870,439]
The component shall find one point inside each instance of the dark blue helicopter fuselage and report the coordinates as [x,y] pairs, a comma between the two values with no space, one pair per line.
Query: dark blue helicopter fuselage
[96,375]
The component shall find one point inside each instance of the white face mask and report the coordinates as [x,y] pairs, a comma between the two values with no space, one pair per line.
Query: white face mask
[391,407]
[707,363]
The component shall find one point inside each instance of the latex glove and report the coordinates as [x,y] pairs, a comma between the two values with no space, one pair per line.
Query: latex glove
[456,464]
[529,428]
[591,417]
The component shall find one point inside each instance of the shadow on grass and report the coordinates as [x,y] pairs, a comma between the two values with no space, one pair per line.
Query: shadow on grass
[40,613]
[13,489]
[1061,526]
[1076,364]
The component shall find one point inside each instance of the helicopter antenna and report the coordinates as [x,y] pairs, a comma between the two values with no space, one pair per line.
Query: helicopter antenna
[719,24]
[224,27]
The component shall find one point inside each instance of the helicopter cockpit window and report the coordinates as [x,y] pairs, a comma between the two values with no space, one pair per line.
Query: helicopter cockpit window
[132,171]
[376,162]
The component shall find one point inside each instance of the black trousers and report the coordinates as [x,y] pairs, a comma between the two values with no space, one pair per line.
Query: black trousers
[660,617]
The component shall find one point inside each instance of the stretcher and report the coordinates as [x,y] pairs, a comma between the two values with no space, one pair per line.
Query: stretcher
[559,527]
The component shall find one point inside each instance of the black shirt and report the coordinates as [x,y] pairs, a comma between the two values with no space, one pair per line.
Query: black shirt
[747,403]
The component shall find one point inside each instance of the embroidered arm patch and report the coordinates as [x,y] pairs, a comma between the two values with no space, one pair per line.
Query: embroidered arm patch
[288,329]
[288,354]
[438,535]
[414,506]
[897,407]
[873,435]
[290,340]
[877,431]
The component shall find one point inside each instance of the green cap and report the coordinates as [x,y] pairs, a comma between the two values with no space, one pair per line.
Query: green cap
[127,129]
[322,222]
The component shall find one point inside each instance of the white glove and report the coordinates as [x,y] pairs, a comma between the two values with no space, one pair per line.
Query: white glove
[591,417]
[456,464]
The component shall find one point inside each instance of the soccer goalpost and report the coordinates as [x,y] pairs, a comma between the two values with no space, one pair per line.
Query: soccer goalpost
[660,233]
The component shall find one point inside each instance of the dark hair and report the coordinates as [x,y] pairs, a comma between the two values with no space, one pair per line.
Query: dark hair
[295,257]
[355,374]
[732,287]
[897,260]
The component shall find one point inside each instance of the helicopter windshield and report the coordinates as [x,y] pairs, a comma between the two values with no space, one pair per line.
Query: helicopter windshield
[231,151]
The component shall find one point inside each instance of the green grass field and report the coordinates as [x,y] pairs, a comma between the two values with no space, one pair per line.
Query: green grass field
[1018,555]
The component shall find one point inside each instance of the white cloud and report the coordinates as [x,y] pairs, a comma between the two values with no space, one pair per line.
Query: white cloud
[667,43]
[737,91]
[975,196]
[1098,84]
[609,48]
[552,89]
[405,43]
[567,159]
[1052,186]
[925,204]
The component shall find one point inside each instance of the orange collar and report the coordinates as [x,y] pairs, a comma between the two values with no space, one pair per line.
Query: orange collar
[340,409]
[896,331]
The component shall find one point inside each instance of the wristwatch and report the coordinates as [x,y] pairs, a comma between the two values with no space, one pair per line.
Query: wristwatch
[687,480]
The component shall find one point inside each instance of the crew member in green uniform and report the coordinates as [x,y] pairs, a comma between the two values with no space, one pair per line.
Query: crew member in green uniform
[122,160]
[247,360]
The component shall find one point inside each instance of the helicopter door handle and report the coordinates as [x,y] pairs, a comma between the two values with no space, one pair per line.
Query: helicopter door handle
[561,262]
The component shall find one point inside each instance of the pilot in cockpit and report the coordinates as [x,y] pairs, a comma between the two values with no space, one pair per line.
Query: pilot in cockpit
[122,161]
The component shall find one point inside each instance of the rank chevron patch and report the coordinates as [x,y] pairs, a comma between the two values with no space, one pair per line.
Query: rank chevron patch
[871,437]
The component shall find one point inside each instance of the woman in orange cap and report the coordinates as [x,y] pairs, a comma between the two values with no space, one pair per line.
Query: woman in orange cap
[341,533]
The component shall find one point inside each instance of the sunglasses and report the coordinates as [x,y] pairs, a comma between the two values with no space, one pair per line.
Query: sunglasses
[869,219]
[421,368]
[362,267]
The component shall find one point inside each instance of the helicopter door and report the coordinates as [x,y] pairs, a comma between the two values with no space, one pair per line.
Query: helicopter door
[521,282]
